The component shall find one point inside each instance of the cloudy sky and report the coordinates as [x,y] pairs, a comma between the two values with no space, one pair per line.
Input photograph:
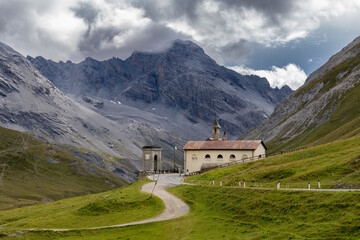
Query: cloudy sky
[279,39]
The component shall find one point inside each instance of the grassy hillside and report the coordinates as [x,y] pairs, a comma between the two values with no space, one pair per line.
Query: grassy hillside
[32,171]
[108,208]
[344,121]
[233,213]
[336,165]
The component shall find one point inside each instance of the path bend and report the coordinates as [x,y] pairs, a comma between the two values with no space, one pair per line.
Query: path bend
[174,206]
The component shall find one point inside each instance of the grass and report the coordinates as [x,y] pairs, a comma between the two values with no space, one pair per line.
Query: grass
[117,206]
[219,212]
[33,172]
[234,213]
[335,164]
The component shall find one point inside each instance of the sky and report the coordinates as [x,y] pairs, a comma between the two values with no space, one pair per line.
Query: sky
[281,40]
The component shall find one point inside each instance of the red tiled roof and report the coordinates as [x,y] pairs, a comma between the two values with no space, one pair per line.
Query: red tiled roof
[223,145]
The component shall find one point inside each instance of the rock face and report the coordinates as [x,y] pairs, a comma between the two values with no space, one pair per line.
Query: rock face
[326,103]
[30,102]
[180,86]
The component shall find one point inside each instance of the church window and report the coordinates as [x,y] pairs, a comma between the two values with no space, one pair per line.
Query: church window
[194,157]
[220,157]
[232,157]
[207,157]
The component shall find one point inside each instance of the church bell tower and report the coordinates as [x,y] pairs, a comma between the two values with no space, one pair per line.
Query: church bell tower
[216,130]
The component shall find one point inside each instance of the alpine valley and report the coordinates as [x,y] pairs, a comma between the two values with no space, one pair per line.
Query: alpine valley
[114,107]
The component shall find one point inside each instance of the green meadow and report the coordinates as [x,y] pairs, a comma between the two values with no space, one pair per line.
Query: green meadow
[234,213]
[117,206]
[216,212]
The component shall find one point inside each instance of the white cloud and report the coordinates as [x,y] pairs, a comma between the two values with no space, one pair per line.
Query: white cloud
[290,75]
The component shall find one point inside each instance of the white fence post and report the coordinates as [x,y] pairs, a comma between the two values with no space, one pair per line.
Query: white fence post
[213,182]
[319,186]
[309,186]
[220,183]
[244,183]
[278,185]
[239,183]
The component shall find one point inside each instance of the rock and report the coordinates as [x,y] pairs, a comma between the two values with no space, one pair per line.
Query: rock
[181,79]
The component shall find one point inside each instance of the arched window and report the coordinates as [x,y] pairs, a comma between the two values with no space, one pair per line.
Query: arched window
[194,157]
[232,157]
[220,157]
[244,156]
[207,157]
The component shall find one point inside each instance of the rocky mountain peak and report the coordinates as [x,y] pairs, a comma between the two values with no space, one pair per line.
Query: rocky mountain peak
[184,46]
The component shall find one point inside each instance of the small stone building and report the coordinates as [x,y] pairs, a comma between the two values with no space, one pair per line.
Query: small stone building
[151,158]
[215,151]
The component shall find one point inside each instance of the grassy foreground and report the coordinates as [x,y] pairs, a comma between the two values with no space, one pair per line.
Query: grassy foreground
[336,165]
[235,213]
[117,206]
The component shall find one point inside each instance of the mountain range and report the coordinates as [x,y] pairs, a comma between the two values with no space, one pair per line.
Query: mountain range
[180,89]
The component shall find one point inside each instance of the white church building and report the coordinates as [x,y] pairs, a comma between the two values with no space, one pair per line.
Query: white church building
[199,155]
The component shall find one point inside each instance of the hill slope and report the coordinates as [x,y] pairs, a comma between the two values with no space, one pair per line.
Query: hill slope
[32,171]
[336,165]
[324,109]
[181,84]
[117,206]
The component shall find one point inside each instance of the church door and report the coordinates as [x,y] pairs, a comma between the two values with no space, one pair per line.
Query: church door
[156,163]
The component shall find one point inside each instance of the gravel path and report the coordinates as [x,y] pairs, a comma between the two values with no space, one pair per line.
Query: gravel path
[174,206]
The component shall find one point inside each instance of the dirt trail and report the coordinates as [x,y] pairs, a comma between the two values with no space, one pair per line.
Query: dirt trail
[174,206]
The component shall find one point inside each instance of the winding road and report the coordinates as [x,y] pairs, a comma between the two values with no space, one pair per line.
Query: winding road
[174,206]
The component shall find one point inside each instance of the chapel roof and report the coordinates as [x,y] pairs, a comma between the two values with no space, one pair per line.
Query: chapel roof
[223,145]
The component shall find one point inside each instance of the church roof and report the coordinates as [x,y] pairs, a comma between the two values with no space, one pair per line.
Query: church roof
[223,145]
[216,123]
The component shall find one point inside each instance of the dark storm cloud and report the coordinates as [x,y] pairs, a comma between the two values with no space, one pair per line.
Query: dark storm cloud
[272,9]
[152,38]
[86,11]
[232,51]
[174,9]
